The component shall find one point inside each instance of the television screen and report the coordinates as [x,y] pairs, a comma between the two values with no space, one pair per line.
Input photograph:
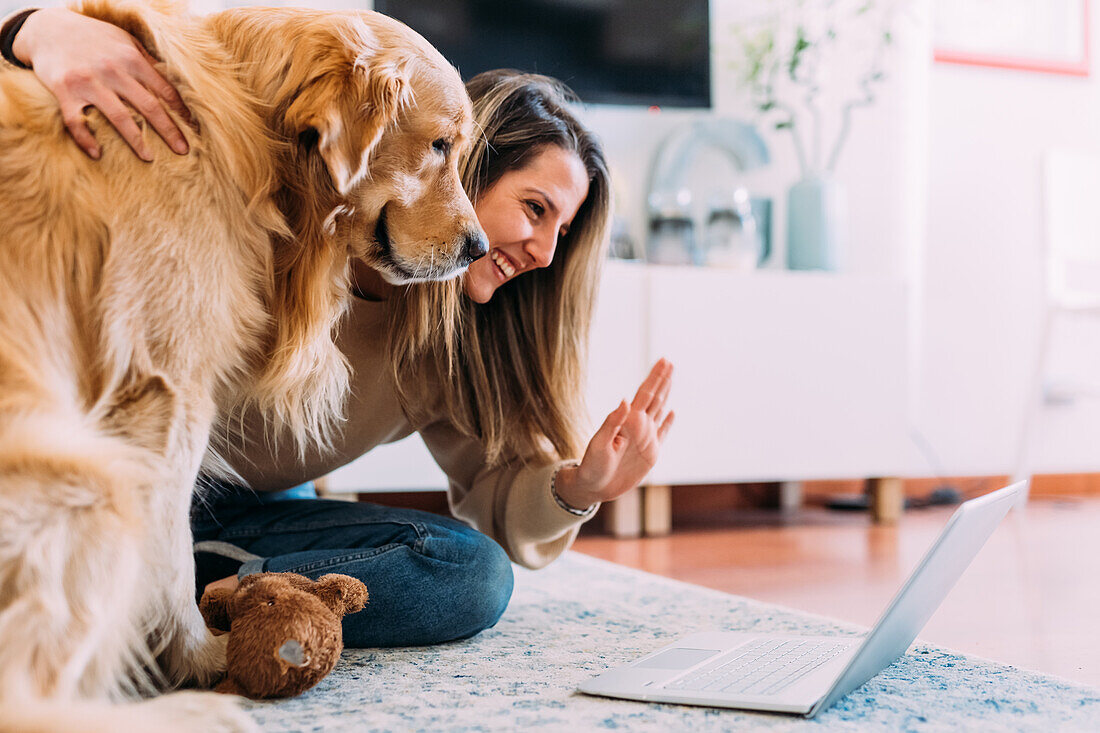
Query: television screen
[647,52]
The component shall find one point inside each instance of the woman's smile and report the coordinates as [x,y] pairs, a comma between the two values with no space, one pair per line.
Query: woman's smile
[505,267]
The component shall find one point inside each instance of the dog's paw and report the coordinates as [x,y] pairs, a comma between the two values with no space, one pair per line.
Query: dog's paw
[209,712]
[196,659]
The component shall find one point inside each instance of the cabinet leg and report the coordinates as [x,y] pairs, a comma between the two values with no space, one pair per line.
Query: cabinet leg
[887,500]
[657,510]
[790,496]
[624,515]
[321,485]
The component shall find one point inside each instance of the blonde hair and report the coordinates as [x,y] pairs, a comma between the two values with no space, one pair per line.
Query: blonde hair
[512,371]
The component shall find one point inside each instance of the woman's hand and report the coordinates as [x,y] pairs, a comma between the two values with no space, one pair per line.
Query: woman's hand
[625,447]
[86,62]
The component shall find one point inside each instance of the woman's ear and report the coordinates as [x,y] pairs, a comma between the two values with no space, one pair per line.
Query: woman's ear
[342,593]
[349,109]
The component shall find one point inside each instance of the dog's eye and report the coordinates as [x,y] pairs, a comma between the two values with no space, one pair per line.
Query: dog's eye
[442,146]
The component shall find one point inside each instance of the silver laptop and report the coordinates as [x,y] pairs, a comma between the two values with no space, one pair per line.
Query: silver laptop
[807,674]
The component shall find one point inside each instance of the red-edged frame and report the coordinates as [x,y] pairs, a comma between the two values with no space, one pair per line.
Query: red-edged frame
[1079,67]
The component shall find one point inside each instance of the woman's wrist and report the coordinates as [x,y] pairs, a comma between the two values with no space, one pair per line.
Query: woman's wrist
[25,44]
[569,492]
[13,39]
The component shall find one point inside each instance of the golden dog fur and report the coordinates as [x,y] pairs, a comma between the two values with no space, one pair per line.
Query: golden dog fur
[142,305]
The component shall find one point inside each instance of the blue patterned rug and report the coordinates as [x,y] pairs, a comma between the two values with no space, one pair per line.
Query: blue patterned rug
[581,615]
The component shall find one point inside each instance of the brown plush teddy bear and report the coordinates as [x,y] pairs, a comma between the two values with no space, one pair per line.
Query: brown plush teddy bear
[284,630]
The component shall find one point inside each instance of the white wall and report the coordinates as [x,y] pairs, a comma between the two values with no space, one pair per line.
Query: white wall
[983,269]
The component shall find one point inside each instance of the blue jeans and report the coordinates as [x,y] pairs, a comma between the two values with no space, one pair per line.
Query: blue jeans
[430,578]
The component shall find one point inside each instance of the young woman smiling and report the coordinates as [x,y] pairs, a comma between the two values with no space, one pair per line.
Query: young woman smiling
[498,400]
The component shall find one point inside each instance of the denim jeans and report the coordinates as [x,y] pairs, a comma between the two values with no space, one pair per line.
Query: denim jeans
[430,578]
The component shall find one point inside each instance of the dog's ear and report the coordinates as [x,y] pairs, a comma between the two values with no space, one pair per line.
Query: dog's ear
[349,108]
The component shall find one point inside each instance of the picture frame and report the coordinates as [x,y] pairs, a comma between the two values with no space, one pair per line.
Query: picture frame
[1047,36]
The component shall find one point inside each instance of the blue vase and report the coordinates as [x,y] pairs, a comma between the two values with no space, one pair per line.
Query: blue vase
[815,224]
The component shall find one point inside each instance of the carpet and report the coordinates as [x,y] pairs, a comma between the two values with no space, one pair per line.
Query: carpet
[581,615]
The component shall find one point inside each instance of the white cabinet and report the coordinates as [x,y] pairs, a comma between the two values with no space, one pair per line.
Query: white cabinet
[779,376]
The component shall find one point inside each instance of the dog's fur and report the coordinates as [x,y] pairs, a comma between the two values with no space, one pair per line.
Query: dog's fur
[141,305]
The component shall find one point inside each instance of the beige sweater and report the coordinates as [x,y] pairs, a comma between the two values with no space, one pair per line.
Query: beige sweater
[512,502]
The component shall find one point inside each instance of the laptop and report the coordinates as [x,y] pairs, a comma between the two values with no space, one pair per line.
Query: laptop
[807,674]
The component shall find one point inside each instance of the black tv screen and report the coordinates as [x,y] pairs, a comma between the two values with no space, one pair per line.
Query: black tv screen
[641,52]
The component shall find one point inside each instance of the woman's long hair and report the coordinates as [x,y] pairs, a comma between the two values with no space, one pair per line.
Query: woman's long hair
[512,371]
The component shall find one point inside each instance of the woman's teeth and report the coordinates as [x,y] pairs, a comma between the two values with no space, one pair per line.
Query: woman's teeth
[502,263]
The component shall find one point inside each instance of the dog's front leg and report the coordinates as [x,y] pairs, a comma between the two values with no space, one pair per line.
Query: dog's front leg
[173,424]
[187,650]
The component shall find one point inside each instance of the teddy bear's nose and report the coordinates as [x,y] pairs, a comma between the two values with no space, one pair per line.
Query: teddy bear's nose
[292,652]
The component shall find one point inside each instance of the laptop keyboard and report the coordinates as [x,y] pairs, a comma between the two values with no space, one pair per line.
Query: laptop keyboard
[761,667]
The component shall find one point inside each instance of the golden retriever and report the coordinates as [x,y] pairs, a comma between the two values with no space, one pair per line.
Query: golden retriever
[143,304]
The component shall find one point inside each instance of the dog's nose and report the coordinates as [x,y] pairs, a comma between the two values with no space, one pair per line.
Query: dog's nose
[476,246]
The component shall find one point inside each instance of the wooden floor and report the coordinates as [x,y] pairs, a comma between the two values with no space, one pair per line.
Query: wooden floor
[1031,598]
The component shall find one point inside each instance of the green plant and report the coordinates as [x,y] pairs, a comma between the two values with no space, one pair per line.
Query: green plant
[792,60]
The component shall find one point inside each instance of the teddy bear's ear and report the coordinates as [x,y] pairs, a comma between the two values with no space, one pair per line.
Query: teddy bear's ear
[214,608]
[342,593]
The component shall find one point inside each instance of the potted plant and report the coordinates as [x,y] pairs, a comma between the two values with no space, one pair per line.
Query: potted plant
[808,65]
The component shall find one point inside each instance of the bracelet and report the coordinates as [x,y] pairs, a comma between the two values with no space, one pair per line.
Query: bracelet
[560,501]
[7,36]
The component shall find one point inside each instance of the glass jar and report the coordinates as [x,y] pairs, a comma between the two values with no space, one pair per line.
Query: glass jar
[731,237]
[671,238]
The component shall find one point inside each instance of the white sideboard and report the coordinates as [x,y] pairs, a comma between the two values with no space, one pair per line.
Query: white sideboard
[779,376]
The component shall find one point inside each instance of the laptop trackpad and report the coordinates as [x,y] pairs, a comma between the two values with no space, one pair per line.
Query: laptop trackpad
[677,658]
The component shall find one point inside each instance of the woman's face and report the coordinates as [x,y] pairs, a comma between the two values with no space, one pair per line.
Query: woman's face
[523,215]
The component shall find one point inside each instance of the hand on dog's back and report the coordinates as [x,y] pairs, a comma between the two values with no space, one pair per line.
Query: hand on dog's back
[108,69]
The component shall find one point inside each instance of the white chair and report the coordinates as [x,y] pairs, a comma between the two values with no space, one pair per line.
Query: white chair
[1071,208]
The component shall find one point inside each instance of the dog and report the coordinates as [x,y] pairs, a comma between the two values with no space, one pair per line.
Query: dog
[142,305]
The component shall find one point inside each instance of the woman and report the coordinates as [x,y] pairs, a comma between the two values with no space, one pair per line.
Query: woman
[498,402]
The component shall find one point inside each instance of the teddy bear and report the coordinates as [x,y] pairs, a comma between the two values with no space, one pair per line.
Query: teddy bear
[284,630]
